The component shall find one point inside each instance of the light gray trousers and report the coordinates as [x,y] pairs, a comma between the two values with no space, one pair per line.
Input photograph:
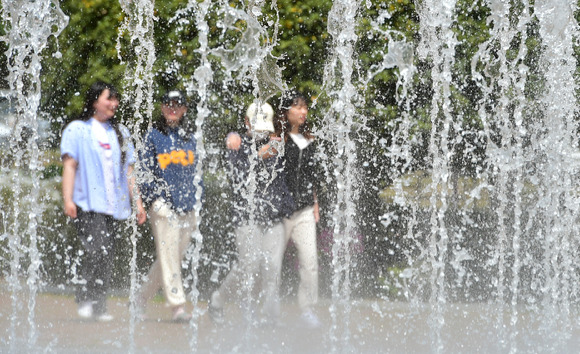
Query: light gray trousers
[301,229]
[260,252]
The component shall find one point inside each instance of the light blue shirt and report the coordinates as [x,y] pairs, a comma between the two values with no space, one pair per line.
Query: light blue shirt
[79,142]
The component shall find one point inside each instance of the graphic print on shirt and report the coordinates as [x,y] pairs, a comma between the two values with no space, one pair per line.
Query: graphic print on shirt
[180,157]
[108,152]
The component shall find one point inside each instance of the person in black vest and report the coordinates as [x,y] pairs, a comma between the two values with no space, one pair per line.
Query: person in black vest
[260,201]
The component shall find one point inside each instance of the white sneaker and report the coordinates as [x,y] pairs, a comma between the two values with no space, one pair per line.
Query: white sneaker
[85,310]
[310,319]
[216,313]
[140,314]
[104,317]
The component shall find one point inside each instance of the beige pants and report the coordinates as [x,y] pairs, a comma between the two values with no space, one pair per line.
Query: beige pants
[301,228]
[172,233]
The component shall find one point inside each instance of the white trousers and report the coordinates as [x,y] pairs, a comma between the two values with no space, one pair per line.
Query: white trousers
[172,233]
[301,229]
[260,251]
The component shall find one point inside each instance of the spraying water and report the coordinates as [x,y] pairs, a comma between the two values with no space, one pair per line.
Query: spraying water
[513,76]
[29,26]
[139,76]
[528,141]
[203,77]
[438,43]
[489,211]
[341,120]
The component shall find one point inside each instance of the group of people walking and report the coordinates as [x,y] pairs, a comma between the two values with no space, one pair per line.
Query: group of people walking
[272,172]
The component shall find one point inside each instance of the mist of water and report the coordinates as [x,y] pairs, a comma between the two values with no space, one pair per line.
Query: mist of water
[527,176]
[502,233]
[339,121]
[139,25]
[29,26]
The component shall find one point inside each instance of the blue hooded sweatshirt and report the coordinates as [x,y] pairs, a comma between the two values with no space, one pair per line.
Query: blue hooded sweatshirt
[168,162]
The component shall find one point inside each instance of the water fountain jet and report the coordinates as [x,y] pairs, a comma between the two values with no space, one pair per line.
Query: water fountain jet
[487,216]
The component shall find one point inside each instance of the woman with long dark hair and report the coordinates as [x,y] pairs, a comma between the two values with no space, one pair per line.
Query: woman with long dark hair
[300,171]
[97,187]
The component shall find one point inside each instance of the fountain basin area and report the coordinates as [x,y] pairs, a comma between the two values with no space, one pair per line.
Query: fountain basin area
[362,326]
[446,171]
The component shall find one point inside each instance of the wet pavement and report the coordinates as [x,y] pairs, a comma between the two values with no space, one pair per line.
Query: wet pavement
[363,326]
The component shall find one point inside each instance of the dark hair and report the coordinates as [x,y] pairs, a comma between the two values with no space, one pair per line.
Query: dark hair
[281,124]
[93,94]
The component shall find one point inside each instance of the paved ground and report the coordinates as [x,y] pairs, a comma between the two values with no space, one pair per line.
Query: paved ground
[369,326]
[57,329]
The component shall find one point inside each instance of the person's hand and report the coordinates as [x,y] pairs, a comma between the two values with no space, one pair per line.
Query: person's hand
[270,149]
[70,209]
[275,142]
[233,141]
[141,214]
[316,212]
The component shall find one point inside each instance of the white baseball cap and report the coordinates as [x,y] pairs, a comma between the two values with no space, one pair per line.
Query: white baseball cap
[261,119]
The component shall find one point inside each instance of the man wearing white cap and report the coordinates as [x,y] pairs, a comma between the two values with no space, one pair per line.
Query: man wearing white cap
[261,200]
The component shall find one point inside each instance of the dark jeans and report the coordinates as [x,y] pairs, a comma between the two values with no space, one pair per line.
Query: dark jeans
[97,233]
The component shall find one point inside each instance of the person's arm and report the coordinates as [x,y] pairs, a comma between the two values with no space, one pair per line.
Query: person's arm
[69,172]
[237,159]
[141,213]
[316,209]
[234,142]
[314,177]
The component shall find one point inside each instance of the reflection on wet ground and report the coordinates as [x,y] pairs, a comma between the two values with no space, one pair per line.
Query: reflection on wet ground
[370,326]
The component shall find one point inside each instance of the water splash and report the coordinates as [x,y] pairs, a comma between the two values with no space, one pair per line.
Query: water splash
[203,78]
[340,121]
[29,26]
[249,63]
[525,179]
[438,46]
[512,78]
[555,137]
[139,24]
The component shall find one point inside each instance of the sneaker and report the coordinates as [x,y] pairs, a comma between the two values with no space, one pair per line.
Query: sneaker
[85,310]
[310,319]
[139,310]
[104,317]
[180,316]
[140,314]
[216,313]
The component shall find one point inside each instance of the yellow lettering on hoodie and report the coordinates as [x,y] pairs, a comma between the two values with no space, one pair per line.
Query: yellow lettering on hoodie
[178,157]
